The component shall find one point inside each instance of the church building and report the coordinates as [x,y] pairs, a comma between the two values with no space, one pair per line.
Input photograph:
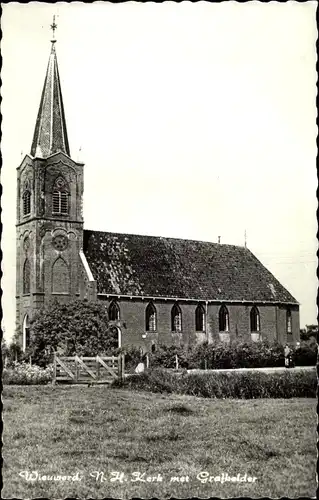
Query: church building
[157,290]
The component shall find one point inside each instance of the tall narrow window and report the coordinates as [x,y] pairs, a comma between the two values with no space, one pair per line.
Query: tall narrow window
[200,318]
[176,318]
[254,320]
[288,320]
[150,318]
[26,277]
[60,277]
[26,201]
[223,319]
[114,311]
[25,333]
[60,197]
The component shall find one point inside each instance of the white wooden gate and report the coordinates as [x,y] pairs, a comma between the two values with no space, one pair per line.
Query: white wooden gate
[83,370]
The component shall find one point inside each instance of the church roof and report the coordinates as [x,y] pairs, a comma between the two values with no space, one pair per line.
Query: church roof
[127,264]
[50,134]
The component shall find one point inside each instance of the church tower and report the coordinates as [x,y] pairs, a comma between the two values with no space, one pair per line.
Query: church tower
[49,210]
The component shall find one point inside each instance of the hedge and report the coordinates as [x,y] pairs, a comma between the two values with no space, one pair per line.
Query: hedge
[237,354]
[242,385]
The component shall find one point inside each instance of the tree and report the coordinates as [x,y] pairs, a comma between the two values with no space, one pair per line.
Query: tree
[78,327]
[307,333]
[4,350]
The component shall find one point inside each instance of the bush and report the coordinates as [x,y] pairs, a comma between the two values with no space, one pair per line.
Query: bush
[78,327]
[24,374]
[306,354]
[242,385]
[237,355]
[165,357]
[157,380]
[132,358]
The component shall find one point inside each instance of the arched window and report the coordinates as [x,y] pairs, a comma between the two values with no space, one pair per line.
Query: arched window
[200,318]
[114,311]
[150,318]
[60,277]
[254,320]
[25,333]
[288,321]
[26,202]
[60,197]
[26,277]
[223,319]
[176,317]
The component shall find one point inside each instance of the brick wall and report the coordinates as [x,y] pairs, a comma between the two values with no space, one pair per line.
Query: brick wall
[132,315]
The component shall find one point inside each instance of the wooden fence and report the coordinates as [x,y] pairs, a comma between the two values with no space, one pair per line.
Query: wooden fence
[89,370]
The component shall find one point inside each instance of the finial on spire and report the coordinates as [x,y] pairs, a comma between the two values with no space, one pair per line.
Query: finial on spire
[245,238]
[53,28]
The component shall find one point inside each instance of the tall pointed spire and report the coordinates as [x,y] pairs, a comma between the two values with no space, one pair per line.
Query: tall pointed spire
[50,134]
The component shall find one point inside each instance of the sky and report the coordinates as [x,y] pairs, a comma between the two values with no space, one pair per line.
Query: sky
[194,120]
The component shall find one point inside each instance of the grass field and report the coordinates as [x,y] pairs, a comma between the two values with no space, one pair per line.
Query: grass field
[76,431]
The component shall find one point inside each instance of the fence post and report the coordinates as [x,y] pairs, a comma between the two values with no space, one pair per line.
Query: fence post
[147,360]
[54,369]
[97,369]
[176,362]
[205,364]
[76,370]
[121,364]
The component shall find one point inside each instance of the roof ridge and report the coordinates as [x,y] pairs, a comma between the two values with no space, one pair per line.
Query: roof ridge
[166,238]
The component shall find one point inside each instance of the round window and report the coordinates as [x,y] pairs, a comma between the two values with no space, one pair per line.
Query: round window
[60,242]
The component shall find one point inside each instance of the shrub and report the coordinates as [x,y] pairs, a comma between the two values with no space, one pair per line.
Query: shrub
[78,327]
[237,354]
[306,354]
[132,358]
[165,356]
[24,374]
[242,385]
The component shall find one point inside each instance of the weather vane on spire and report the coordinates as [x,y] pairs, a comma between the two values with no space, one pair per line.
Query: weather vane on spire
[53,28]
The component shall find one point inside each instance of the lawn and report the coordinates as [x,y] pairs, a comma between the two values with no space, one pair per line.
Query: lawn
[91,432]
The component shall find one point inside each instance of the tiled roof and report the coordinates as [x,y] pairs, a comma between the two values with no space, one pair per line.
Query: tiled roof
[50,134]
[127,264]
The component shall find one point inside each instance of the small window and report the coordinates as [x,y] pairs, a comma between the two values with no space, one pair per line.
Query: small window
[56,202]
[200,318]
[254,320]
[114,312]
[153,348]
[289,325]
[223,319]
[60,197]
[150,318]
[26,277]
[26,199]
[176,318]
[64,202]
[60,204]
